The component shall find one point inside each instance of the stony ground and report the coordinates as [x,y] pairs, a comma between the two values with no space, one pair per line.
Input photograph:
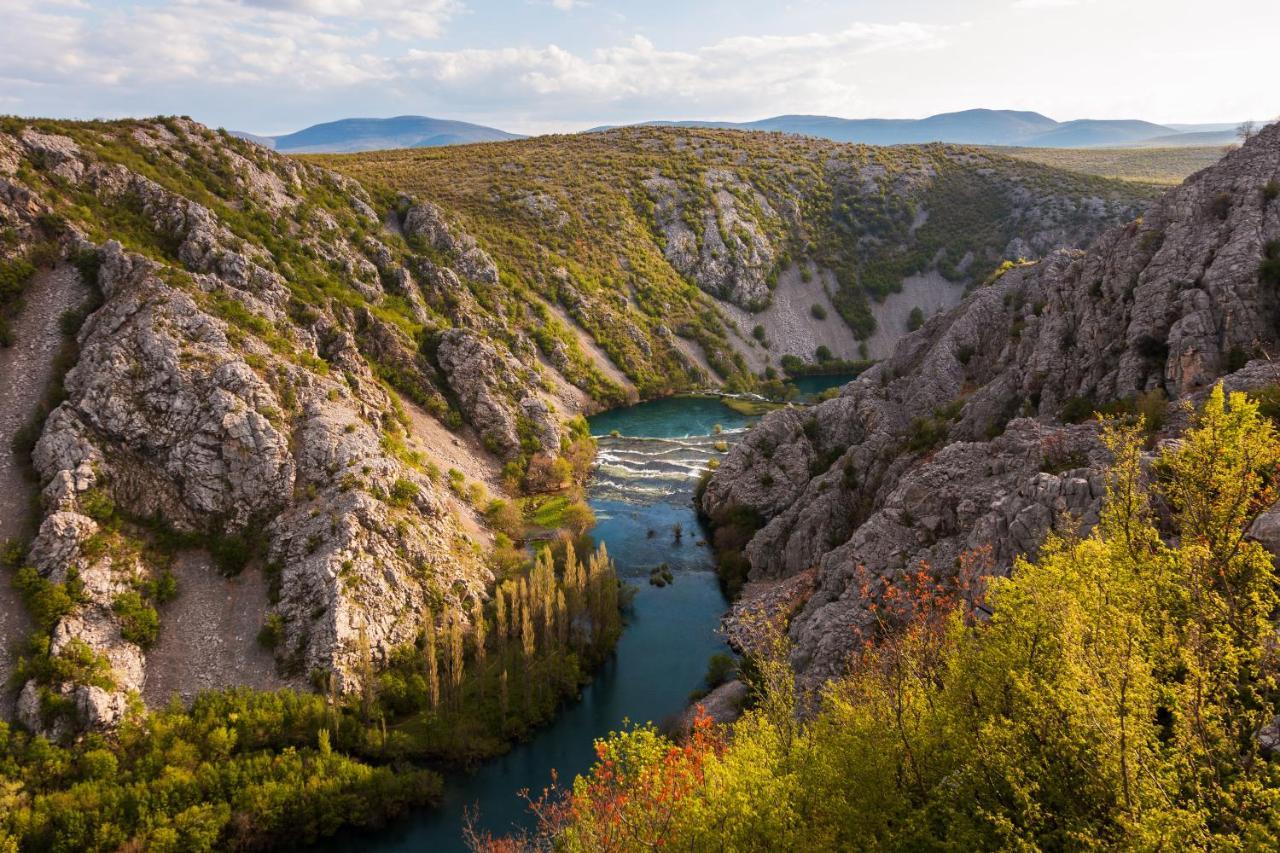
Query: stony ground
[929,292]
[789,324]
[209,634]
[26,368]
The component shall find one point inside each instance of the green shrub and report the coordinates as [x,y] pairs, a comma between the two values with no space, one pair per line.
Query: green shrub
[403,492]
[232,552]
[139,622]
[14,276]
[1077,410]
[817,311]
[46,601]
[272,632]
[720,668]
[915,319]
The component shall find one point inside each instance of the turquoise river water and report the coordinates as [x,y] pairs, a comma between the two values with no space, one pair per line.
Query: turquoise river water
[641,488]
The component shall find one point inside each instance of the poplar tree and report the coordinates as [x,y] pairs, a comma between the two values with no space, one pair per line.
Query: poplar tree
[454,637]
[500,614]
[480,632]
[429,655]
[366,674]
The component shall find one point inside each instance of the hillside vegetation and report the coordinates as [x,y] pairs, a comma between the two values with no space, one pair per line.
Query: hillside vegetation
[1167,166]
[1122,696]
[625,228]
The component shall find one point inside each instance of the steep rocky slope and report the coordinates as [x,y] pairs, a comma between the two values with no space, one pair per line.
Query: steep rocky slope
[963,442]
[241,393]
[659,242]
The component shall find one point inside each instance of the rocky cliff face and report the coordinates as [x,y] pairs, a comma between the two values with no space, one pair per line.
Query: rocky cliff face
[960,443]
[242,388]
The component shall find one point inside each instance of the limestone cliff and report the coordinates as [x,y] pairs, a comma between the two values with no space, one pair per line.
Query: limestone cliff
[242,389]
[962,443]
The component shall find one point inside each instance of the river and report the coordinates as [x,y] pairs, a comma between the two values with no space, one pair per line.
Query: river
[641,489]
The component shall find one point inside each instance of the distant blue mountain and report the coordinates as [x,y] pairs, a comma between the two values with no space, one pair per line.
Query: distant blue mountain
[369,134]
[1085,133]
[972,127]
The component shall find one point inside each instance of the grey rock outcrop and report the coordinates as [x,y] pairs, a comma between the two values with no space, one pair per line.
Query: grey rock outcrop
[729,254]
[493,391]
[425,221]
[902,468]
[209,398]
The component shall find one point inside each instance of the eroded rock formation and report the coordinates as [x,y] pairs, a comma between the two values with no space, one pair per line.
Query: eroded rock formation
[960,441]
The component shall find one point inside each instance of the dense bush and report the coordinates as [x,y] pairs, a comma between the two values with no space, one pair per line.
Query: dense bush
[241,769]
[915,319]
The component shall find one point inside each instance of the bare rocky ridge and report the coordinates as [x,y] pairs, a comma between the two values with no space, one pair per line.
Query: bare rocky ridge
[901,470]
[210,399]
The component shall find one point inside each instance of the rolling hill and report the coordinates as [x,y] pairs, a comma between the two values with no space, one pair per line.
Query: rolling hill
[370,134]
[975,127]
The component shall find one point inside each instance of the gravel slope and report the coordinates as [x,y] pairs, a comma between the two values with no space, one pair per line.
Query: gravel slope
[26,369]
[209,634]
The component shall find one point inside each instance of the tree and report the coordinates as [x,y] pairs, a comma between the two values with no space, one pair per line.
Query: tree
[479,631]
[454,657]
[364,662]
[500,619]
[578,517]
[1246,130]
[429,655]
[915,319]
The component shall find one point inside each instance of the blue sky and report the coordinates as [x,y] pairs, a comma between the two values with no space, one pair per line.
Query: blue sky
[559,65]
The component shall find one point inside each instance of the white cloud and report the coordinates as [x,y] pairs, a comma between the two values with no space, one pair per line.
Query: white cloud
[374,52]
[305,43]
[1044,4]
[815,71]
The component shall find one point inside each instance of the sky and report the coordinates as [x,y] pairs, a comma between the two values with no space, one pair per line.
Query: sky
[540,66]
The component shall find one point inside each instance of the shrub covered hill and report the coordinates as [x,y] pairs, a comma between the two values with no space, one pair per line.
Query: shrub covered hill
[976,435]
[625,233]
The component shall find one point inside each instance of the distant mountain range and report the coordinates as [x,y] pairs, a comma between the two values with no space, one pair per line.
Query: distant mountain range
[371,134]
[983,127]
[973,127]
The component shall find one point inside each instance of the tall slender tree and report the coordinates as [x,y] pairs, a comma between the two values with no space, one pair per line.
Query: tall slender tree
[430,657]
